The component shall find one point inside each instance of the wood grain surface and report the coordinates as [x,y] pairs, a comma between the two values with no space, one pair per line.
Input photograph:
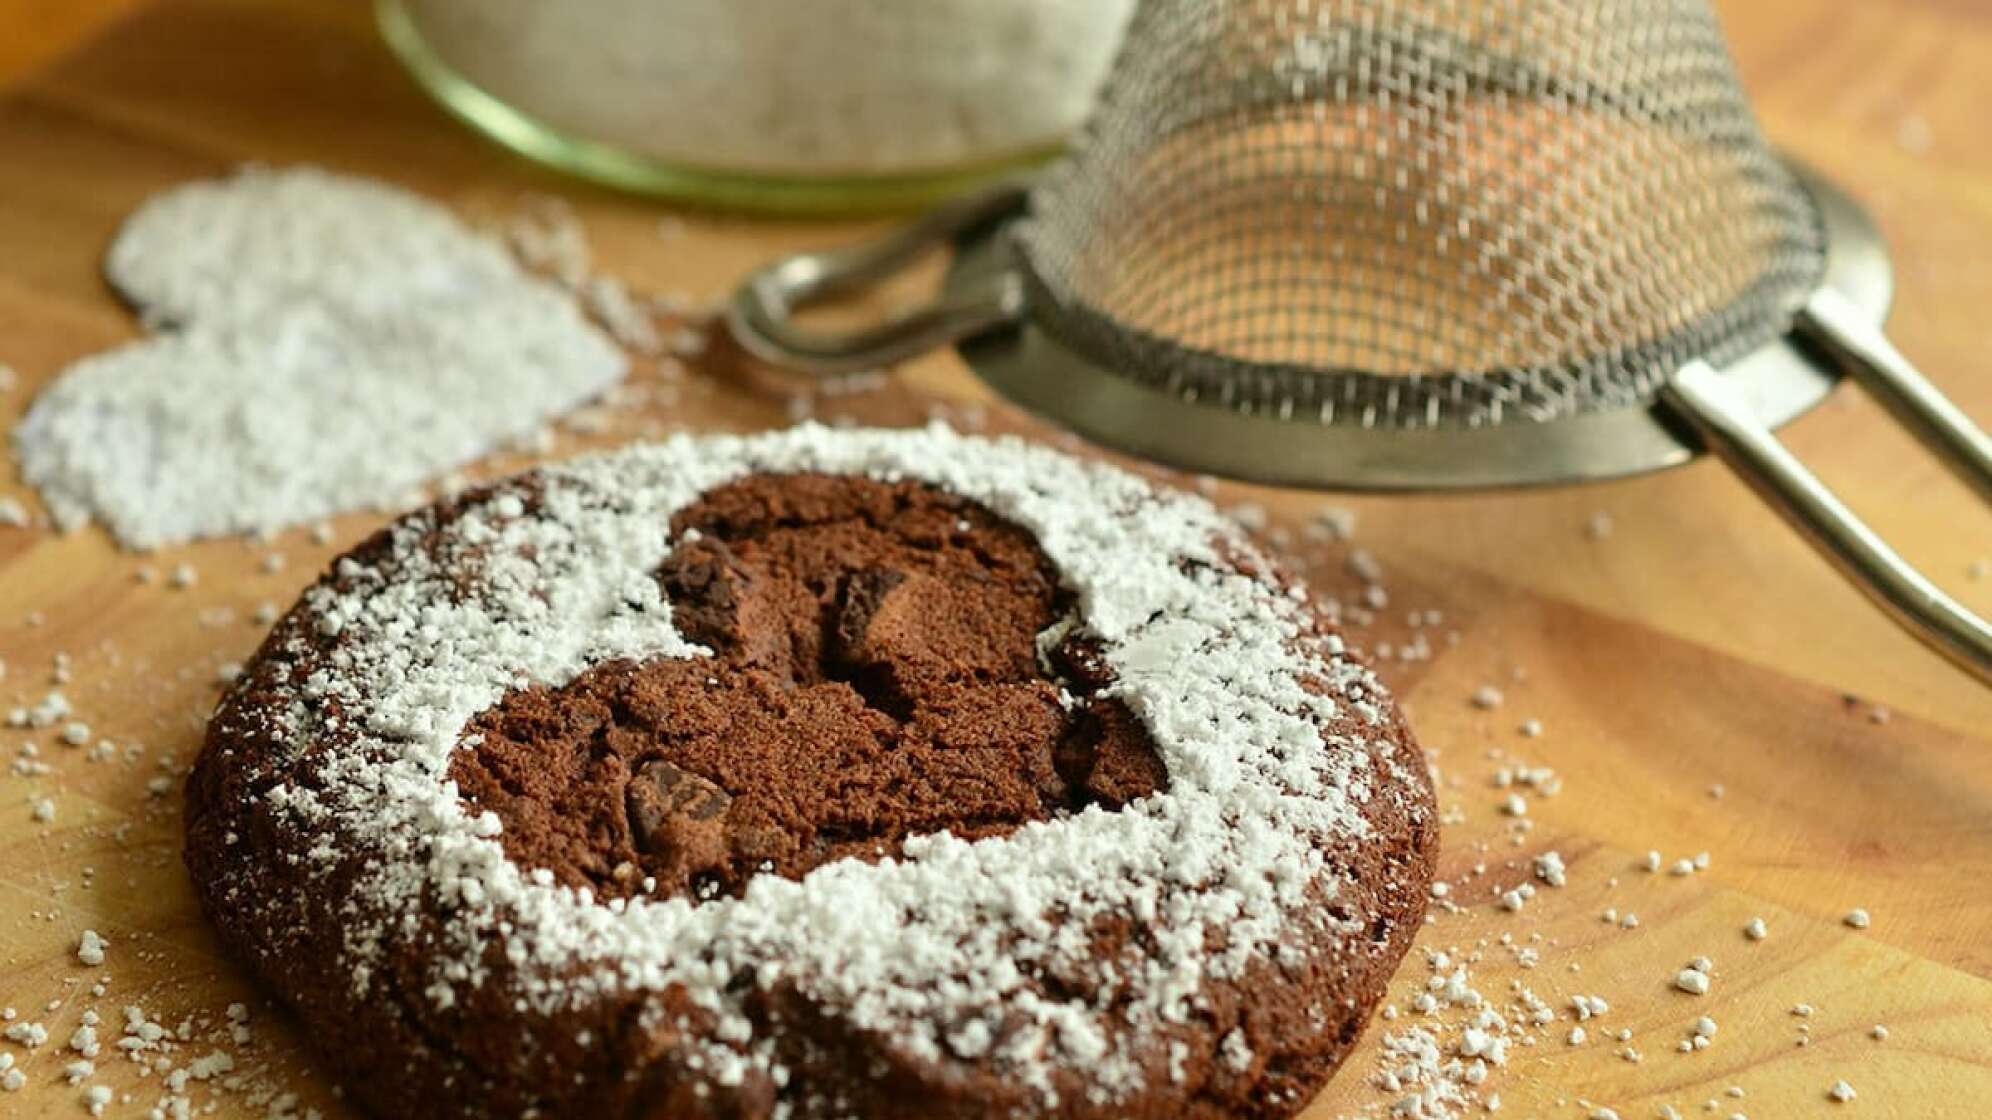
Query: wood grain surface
[1698,644]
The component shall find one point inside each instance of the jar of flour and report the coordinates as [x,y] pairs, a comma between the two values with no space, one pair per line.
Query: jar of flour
[796,105]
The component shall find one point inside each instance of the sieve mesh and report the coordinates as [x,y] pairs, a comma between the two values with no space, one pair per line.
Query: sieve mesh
[1405,213]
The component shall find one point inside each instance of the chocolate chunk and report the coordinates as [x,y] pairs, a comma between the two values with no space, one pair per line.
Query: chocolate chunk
[1080,659]
[868,646]
[717,602]
[860,600]
[705,582]
[675,817]
[1109,759]
[924,631]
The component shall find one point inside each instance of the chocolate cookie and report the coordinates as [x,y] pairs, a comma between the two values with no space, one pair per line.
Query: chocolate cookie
[815,774]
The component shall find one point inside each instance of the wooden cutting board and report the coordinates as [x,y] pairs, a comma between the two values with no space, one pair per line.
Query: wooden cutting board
[1696,645]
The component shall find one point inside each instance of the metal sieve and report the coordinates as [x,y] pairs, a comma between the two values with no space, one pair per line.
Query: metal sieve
[1419,244]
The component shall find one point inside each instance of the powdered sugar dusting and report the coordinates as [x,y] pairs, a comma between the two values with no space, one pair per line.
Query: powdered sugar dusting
[1221,667]
[338,343]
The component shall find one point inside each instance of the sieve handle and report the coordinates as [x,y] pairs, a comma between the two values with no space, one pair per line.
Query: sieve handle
[1829,318]
[1725,420]
[762,315]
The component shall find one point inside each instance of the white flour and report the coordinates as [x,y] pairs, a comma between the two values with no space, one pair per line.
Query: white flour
[338,342]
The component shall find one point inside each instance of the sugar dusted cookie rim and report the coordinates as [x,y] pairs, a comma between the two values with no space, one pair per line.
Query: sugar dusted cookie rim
[1223,668]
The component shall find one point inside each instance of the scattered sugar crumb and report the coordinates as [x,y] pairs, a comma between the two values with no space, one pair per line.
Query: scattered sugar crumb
[1250,516]
[1335,523]
[1550,869]
[90,948]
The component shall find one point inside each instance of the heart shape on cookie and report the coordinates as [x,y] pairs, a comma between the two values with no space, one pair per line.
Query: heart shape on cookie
[875,675]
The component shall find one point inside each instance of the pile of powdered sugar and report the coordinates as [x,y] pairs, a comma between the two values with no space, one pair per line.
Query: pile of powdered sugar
[1216,664]
[328,343]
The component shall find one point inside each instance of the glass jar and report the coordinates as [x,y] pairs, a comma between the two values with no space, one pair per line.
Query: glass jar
[779,105]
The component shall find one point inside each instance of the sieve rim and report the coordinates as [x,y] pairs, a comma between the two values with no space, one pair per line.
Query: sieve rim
[1782,379]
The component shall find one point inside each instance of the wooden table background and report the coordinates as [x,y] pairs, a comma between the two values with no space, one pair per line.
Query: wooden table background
[1698,644]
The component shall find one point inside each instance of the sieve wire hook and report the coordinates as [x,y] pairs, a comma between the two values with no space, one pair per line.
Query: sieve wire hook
[762,314]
